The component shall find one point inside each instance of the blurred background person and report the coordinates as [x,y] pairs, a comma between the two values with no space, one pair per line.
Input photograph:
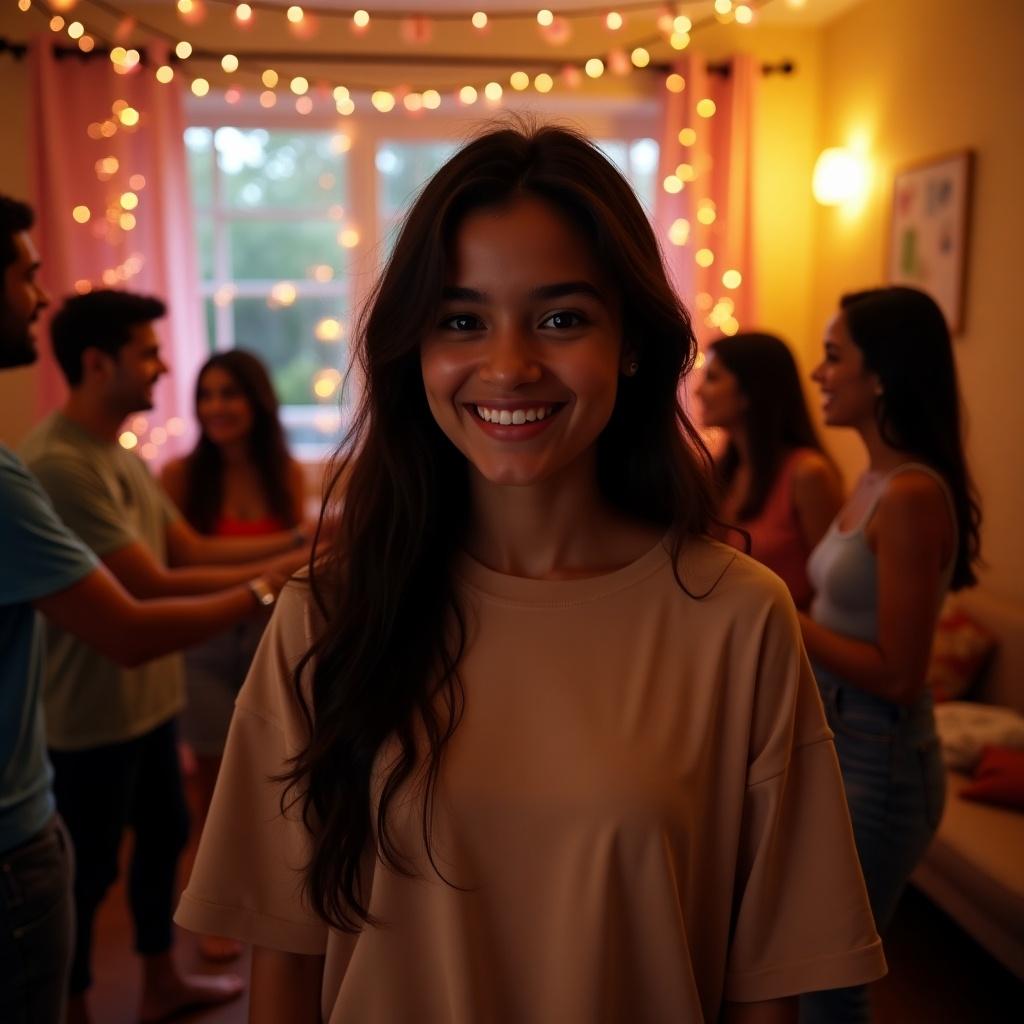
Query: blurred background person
[908,534]
[774,479]
[238,481]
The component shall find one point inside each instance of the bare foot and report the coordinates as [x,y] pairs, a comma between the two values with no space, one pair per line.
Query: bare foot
[190,991]
[218,949]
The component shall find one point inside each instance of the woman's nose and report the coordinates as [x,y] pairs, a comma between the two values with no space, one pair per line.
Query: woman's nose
[510,360]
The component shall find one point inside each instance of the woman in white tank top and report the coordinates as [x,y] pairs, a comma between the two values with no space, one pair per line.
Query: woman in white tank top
[907,535]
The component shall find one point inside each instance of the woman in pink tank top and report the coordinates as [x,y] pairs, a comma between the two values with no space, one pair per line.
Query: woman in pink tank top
[238,481]
[775,481]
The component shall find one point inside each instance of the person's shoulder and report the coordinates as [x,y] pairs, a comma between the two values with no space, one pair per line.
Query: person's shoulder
[709,567]
[17,484]
[812,467]
[913,500]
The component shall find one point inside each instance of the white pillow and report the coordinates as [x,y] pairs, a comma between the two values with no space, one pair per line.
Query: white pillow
[966,727]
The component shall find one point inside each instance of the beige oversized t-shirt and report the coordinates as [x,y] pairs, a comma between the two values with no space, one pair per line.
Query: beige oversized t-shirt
[642,807]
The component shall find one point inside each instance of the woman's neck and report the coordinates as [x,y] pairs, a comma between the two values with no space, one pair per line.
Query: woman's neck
[235,454]
[555,529]
[882,456]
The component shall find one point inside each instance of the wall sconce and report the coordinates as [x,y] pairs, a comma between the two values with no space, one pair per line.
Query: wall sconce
[840,175]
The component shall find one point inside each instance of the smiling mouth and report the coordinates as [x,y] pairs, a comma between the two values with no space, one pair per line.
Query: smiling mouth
[515,417]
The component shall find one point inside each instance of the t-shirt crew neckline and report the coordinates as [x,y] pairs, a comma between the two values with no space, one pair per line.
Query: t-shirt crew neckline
[559,593]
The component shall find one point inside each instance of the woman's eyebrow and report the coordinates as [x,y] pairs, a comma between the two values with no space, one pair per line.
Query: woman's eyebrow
[456,293]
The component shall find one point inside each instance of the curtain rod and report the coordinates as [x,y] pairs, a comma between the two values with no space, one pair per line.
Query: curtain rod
[723,68]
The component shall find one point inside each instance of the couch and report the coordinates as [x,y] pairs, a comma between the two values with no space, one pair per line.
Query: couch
[974,869]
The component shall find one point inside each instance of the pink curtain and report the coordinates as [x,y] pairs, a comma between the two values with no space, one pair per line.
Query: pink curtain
[83,154]
[712,212]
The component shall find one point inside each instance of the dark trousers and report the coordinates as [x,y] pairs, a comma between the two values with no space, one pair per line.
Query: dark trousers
[101,792]
[36,924]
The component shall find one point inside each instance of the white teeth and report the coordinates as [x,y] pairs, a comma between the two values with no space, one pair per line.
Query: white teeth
[509,417]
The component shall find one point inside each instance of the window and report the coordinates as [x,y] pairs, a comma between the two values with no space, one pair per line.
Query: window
[287,250]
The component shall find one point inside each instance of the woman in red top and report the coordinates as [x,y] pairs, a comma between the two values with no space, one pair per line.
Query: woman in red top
[774,479]
[238,481]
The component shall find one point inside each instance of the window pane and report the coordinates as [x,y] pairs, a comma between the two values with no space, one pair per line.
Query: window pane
[643,159]
[276,250]
[403,168]
[210,313]
[199,147]
[280,169]
[286,338]
[204,239]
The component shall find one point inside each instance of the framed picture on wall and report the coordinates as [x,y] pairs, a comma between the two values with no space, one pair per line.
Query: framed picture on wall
[929,233]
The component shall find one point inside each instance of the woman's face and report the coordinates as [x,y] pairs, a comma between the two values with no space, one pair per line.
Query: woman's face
[721,397]
[224,413]
[849,391]
[522,367]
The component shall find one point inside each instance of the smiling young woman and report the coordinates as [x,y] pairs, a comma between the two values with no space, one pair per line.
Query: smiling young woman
[529,745]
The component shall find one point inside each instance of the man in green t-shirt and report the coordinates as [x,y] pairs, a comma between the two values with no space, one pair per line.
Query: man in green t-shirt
[45,568]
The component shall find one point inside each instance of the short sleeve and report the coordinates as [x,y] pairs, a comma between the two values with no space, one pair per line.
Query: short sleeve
[247,878]
[82,498]
[38,554]
[802,920]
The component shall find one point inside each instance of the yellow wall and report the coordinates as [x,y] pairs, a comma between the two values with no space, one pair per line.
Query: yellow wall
[921,80]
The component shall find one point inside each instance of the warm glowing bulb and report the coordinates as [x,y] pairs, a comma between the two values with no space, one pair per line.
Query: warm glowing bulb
[282,294]
[304,105]
[613,20]
[543,82]
[493,91]
[682,24]
[56,23]
[679,40]
[269,78]
[86,44]
[267,99]
[704,257]
[840,175]
[479,20]
[295,14]
[545,17]
[76,30]
[413,102]
[243,12]
[467,94]
[594,67]
[183,50]
[127,221]
[128,439]
[732,279]
[685,172]
[200,87]
[328,329]
[519,80]
[137,182]
[326,383]
[744,15]
[349,238]
[24,5]
[723,6]
[81,214]
[164,74]
[129,117]
[383,101]
[640,57]
[706,108]
[361,19]
[431,99]
[186,6]
[679,232]
[672,185]
[687,137]
[346,108]
[706,213]
[128,200]
[675,83]
[299,85]
[229,62]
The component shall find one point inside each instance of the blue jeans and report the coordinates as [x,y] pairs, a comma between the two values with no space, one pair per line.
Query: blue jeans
[36,925]
[895,787]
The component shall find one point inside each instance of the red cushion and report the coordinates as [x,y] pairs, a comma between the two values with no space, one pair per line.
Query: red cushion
[959,652]
[998,778]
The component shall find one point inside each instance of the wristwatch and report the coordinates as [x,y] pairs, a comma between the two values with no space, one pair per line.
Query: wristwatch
[265,597]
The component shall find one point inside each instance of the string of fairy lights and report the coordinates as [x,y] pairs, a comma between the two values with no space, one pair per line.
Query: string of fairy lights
[301,85]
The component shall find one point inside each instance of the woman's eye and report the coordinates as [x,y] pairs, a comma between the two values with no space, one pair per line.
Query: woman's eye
[563,320]
[462,322]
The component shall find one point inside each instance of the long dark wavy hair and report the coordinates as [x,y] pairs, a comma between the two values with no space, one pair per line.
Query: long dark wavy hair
[905,341]
[777,420]
[268,450]
[384,664]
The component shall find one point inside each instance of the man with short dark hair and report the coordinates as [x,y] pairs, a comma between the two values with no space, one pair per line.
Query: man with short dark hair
[45,567]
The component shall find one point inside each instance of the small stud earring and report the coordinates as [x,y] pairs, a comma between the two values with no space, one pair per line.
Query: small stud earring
[632,368]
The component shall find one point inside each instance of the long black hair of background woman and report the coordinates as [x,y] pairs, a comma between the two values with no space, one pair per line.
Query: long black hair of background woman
[905,341]
[268,449]
[777,420]
[386,657]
